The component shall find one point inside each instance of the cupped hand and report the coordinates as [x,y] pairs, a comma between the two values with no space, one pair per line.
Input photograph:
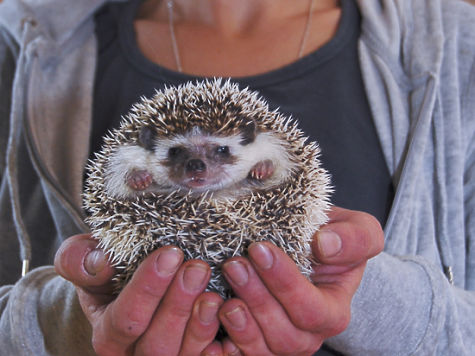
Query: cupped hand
[162,310]
[280,312]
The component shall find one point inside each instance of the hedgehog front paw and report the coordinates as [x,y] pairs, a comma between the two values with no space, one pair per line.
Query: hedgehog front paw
[139,180]
[262,170]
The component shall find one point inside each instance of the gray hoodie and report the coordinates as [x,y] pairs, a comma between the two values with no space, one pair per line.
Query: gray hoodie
[417,59]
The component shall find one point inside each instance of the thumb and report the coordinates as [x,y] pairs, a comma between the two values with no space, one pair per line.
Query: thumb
[81,262]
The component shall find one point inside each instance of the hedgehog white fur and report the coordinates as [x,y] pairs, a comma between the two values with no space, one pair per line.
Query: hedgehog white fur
[258,180]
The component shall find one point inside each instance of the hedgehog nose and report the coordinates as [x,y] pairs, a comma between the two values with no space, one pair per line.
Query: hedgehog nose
[195,165]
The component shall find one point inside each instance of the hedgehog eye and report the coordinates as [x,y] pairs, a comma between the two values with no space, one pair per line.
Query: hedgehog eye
[223,150]
[174,151]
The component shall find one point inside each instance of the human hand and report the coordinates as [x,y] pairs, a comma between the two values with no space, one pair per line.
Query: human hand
[162,310]
[278,311]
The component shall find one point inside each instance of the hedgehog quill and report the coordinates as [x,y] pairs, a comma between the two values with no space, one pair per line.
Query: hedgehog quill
[209,168]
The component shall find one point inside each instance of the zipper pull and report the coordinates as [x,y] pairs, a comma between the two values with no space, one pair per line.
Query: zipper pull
[25,267]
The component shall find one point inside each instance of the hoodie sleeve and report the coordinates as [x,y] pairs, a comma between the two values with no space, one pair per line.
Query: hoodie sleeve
[40,315]
[406,307]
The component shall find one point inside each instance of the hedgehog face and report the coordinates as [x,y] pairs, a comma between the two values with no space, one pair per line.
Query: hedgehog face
[201,162]
[197,161]
[201,167]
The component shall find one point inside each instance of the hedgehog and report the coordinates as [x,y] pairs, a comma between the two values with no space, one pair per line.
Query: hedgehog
[210,168]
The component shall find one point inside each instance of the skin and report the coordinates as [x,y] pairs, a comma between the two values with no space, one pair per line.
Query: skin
[139,180]
[224,38]
[163,310]
[262,170]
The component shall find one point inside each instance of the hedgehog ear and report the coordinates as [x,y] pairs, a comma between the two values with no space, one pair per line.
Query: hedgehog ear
[248,132]
[147,138]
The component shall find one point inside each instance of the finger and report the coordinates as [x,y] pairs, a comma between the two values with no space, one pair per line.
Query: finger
[165,333]
[214,349]
[351,237]
[309,308]
[242,329]
[203,325]
[80,261]
[123,321]
[280,333]
[230,348]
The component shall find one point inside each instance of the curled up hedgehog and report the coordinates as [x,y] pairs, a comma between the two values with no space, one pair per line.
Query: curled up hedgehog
[209,168]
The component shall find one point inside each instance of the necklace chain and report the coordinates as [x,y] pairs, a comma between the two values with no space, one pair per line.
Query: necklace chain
[176,51]
[171,26]
[306,30]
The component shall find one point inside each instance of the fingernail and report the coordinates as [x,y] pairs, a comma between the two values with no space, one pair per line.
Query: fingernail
[95,262]
[207,312]
[329,243]
[237,272]
[237,318]
[194,277]
[168,261]
[232,350]
[261,255]
[211,353]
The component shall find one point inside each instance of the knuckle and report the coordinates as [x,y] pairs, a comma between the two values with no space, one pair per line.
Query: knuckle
[287,346]
[279,348]
[330,325]
[151,291]
[101,347]
[294,342]
[128,326]
[314,345]
[368,233]
[258,304]
[306,321]
[148,347]
[375,235]
[304,312]
[181,311]
[339,324]
[372,224]
[286,288]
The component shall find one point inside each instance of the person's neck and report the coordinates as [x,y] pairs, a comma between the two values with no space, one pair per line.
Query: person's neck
[233,38]
[230,17]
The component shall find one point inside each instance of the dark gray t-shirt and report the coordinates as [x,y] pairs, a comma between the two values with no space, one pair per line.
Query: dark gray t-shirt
[323,91]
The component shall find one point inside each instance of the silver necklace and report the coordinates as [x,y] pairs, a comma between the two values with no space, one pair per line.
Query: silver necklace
[171,27]
[306,29]
[176,52]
